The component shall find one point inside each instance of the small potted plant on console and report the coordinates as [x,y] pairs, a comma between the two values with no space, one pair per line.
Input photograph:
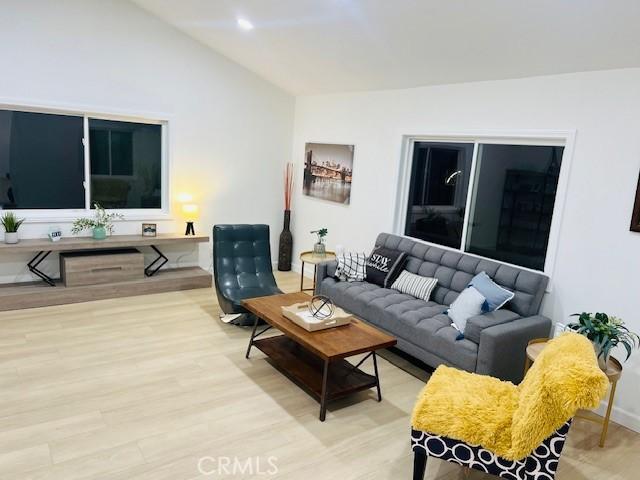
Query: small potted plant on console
[100,225]
[11,224]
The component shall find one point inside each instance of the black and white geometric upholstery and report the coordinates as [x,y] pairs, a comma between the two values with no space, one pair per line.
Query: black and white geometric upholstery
[540,465]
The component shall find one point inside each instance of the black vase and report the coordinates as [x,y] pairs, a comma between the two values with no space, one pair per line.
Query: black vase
[286,245]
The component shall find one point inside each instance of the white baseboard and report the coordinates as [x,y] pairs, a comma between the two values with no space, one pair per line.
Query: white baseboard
[621,416]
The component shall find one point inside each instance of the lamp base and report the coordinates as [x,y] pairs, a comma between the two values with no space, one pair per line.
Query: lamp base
[190,229]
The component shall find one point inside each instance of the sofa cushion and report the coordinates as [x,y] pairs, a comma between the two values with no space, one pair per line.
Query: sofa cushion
[496,295]
[421,323]
[468,304]
[351,267]
[403,318]
[384,265]
[412,284]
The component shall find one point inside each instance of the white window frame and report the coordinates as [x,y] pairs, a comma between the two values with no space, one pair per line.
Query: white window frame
[99,113]
[560,138]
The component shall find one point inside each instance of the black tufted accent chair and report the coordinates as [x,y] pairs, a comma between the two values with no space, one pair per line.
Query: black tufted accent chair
[242,266]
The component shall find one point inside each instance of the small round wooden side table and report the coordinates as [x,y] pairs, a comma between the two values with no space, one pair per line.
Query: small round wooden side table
[614,372]
[314,259]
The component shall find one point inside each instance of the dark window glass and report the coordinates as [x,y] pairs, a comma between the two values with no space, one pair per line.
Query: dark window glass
[126,163]
[438,192]
[513,205]
[99,152]
[41,161]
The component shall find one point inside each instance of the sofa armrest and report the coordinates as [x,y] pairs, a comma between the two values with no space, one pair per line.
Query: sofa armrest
[475,325]
[324,270]
[502,348]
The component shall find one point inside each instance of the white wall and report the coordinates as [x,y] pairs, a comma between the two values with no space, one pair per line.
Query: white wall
[230,131]
[598,261]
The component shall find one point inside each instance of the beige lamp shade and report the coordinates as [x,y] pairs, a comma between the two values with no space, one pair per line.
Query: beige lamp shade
[190,211]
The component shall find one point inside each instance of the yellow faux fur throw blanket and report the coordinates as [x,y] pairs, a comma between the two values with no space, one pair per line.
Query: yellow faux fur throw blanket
[507,419]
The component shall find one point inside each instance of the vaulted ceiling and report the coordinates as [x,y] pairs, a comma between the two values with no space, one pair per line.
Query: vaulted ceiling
[321,46]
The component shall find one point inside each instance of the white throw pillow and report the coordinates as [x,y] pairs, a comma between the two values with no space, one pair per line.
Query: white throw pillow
[416,285]
[468,304]
[351,267]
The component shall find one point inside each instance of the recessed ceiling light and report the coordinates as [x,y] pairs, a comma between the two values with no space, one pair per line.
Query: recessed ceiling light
[245,24]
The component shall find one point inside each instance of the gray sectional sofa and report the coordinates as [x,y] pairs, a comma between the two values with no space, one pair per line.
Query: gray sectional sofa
[494,342]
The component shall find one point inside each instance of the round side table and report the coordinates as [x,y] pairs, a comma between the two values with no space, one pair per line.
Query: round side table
[314,259]
[614,372]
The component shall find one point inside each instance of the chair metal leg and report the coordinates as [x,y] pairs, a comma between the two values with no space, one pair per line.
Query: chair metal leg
[419,464]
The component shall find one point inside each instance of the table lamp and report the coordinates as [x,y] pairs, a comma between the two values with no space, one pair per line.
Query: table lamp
[190,212]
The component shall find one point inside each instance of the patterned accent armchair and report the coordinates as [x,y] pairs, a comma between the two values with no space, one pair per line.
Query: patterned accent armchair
[540,465]
[242,266]
[510,431]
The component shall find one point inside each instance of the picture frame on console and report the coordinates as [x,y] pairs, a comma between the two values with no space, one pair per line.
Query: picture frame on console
[149,229]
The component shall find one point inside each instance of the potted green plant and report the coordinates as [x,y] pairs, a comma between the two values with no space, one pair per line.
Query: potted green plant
[606,332]
[100,225]
[319,248]
[11,224]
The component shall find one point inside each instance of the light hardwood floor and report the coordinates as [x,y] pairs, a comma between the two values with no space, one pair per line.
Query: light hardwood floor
[145,387]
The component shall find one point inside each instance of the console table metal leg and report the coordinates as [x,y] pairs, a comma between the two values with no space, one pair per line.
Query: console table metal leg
[33,267]
[150,271]
[302,277]
[324,393]
[375,369]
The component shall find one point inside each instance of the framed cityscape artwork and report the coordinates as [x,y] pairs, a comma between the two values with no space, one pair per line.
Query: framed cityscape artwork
[328,172]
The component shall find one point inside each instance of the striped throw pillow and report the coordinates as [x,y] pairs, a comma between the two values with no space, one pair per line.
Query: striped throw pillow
[415,285]
[351,267]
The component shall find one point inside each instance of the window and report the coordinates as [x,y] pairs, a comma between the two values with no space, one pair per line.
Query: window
[511,198]
[41,161]
[438,192]
[125,164]
[43,165]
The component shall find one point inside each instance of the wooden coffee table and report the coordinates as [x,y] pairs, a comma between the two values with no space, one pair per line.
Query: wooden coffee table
[315,361]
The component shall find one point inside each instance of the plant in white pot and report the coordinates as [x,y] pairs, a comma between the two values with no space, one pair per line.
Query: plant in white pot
[100,224]
[11,224]
[606,332]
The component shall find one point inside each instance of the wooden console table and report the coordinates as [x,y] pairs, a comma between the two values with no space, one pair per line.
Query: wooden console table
[29,294]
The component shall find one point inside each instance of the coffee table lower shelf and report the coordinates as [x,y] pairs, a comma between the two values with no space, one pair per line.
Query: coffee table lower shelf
[323,379]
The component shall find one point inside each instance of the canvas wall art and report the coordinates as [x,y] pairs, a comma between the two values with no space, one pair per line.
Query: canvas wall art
[328,171]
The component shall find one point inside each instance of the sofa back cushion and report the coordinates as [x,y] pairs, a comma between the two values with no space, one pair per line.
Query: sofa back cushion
[454,271]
